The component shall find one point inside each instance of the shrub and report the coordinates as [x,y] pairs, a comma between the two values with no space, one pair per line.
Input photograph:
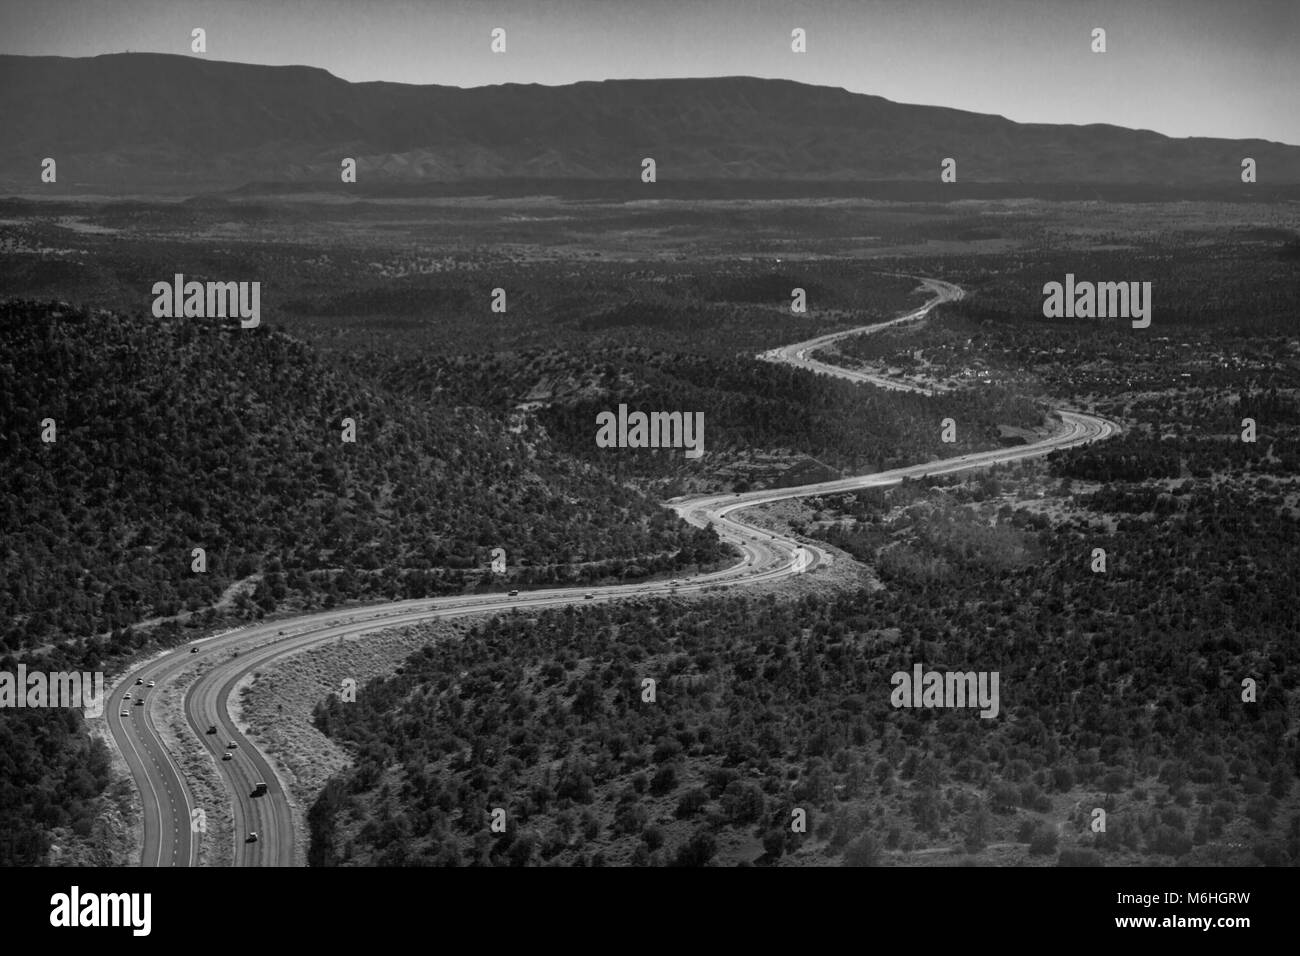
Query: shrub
[1043,843]
[1005,798]
[774,843]
[698,850]
[864,851]
[665,780]
[691,803]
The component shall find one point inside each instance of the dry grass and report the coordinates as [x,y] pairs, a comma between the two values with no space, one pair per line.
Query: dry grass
[198,767]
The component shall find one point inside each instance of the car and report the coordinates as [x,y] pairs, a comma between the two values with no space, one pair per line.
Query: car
[251,838]
[514,593]
[589,596]
[676,582]
[227,756]
[194,650]
[150,684]
[232,745]
[126,713]
[139,680]
[259,789]
[127,695]
[140,702]
[212,728]
[279,632]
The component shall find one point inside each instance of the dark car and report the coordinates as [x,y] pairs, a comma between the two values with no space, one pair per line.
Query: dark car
[212,729]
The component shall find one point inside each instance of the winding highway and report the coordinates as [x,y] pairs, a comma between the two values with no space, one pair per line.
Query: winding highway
[174,824]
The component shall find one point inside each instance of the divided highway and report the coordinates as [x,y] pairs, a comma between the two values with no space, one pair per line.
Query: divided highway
[169,837]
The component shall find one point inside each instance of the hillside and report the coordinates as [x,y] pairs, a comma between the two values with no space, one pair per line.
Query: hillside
[176,434]
[98,117]
[765,424]
[1120,692]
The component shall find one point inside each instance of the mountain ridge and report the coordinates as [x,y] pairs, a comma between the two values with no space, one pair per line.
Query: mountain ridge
[136,120]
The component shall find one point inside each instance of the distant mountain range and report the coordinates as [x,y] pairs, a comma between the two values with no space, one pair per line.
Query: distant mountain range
[145,120]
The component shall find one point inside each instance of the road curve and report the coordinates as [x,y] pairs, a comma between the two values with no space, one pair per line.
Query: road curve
[171,839]
[798,353]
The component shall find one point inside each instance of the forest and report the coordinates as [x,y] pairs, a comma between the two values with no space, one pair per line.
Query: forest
[367,283]
[1224,319]
[171,435]
[751,409]
[175,434]
[1120,691]
[51,776]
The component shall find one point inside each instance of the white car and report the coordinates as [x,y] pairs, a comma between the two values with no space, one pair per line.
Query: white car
[150,684]
[127,695]
[126,713]
[227,756]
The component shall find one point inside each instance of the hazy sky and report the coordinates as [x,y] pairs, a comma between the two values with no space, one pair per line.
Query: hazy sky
[1181,67]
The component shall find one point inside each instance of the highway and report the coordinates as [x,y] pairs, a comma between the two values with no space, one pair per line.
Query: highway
[167,803]
[797,354]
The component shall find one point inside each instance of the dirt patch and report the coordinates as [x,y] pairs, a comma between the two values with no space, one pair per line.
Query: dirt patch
[198,768]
